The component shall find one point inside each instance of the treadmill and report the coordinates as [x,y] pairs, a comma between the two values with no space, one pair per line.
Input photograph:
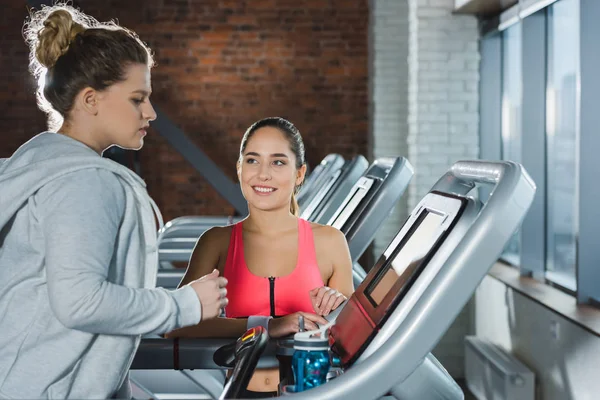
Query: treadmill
[369,202]
[384,333]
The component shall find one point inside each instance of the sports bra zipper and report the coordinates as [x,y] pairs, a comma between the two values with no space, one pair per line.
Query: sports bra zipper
[272,294]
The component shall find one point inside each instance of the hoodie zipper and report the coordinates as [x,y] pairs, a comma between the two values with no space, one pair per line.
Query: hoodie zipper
[272,294]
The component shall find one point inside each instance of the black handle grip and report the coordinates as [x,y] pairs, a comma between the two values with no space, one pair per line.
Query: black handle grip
[225,355]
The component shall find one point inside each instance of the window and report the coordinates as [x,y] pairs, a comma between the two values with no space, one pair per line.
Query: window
[561,140]
[511,114]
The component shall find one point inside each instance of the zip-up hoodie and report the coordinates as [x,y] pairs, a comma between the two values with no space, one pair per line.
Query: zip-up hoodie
[78,262]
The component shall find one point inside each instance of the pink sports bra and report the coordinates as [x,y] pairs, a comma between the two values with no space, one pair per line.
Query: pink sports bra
[251,294]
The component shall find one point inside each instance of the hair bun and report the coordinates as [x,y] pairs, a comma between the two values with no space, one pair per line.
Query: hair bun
[55,36]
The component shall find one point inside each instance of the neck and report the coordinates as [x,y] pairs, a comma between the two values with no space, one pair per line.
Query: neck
[270,222]
[85,138]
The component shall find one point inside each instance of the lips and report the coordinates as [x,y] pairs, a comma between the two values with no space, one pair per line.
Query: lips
[263,190]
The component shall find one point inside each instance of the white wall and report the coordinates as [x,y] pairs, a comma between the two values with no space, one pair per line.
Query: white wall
[567,367]
[424,99]
[443,119]
[443,91]
[389,88]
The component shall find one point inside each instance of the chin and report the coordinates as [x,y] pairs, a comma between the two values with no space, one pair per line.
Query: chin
[137,145]
[268,207]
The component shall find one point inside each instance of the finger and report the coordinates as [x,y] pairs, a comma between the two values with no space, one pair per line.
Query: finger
[327,300]
[223,302]
[339,300]
[314,318]
[313,301]
[213,274]
[323,306]
[322,291]
[329,305]
[221,282]
[313,298]
[222,293]
[310,326]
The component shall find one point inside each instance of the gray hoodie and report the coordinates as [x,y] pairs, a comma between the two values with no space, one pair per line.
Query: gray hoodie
[78,261]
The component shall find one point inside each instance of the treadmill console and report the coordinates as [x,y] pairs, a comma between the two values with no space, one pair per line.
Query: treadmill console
[394,274]
[357,195]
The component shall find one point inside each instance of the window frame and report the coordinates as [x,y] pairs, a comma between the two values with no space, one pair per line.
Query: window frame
[534,48]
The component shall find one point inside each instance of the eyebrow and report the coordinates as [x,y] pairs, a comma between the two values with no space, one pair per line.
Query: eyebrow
[141,91]
[252,153]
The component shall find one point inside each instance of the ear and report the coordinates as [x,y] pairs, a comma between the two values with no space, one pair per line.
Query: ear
[300,174]
[238,169]
[88,100]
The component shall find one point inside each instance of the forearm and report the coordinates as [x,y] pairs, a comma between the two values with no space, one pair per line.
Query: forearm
[107,308]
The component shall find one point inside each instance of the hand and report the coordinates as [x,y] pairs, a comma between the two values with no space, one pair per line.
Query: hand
[325,299]
[212,294]
[283,326]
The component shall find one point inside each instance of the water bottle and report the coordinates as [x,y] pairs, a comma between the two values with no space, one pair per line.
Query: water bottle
[310,362]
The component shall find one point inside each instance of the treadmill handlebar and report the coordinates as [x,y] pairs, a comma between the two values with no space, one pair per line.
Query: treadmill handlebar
[464,175]
[188,353]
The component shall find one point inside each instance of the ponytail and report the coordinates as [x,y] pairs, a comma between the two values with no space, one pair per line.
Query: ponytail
[294,207]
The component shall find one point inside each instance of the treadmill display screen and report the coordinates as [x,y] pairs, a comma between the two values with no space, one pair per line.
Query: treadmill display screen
[421,238]
[362,188]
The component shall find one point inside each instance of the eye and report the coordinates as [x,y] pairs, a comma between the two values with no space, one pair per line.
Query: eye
[251,161]
[279,162]
[137,101]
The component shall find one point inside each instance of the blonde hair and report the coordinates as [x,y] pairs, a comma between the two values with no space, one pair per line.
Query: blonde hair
[56,36]
[70,51]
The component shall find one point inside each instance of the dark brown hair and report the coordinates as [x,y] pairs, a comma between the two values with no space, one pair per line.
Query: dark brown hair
[292,134]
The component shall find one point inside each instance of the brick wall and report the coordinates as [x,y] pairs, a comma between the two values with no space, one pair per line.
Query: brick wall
[19,117]
[222,64]
[425,74]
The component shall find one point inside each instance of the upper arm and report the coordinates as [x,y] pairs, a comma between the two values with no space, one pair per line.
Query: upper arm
[80,215]
[207,254]
[341,277]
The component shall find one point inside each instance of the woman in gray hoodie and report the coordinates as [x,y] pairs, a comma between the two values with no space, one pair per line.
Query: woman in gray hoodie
[78,254]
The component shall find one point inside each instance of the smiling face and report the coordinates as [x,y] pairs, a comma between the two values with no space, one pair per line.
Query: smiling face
[267,170]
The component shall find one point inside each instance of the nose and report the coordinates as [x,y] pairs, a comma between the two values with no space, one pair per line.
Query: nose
[265,172]
[148,112]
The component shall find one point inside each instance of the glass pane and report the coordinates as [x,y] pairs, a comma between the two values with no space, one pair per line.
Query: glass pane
[511,115]
[562,96]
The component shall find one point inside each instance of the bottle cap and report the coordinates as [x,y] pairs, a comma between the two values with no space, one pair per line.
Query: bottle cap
[311,341]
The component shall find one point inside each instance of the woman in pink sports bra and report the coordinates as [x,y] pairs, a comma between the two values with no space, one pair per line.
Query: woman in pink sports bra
[278,266]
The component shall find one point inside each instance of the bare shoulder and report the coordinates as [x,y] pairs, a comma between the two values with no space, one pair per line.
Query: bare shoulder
[209,250]
[327,233]
[218,233]
[216,237]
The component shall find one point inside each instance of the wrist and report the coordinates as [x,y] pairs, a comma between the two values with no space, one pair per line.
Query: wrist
[259,320]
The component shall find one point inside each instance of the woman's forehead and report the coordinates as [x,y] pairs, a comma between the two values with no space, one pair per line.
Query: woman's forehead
[268,140]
